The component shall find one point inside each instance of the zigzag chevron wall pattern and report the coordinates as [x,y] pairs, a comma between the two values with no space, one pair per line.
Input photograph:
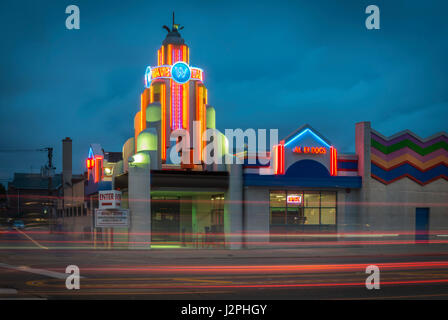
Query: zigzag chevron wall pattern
[407,155]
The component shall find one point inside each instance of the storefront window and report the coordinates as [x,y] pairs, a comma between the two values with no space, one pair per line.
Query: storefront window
[311,215]
[328,215]
[312,199]
[278,199]
[295,216]
[297,207]
[217,212]
[328,199]
[277,216]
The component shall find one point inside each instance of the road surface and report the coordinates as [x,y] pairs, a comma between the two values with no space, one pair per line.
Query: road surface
[31,268]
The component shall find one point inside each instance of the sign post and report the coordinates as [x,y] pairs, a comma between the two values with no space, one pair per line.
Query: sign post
[109,199]
[110,215]
[111,218]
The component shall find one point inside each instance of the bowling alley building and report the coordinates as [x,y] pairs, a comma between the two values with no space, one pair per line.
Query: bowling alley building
[300,189]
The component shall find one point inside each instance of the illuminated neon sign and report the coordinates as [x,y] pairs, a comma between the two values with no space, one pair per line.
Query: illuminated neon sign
[310,150]
[279,159]
[334,161]
[94,164]
[148,77]
[161,72]
[180,72]
[197,74]
[325,150]
[90,163]
[294,199]
[303,133]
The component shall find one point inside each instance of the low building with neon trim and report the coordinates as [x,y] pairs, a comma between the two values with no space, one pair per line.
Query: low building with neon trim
[301,189]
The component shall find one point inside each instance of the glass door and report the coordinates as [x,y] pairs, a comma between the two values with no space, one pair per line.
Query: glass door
[165,219]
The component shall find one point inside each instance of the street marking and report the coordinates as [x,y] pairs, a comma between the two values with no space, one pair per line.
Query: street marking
[51,274]
[31,239]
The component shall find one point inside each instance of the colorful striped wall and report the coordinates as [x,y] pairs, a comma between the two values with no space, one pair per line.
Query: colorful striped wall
[407,155]
[347,165]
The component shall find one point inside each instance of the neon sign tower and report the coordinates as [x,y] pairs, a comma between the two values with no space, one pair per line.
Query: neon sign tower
[178,88]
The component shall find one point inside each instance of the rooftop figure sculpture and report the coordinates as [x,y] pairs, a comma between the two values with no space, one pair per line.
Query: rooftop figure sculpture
[173,36]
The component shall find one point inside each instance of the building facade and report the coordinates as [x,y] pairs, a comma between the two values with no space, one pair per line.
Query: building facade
[303,188]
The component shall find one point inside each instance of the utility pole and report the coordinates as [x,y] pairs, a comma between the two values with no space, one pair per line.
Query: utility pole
[50,212]
[50,167]
[49,172]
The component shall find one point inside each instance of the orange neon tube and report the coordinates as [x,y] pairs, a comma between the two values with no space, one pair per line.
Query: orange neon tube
[169,55]
[185,104]
[199,118]
[184,54]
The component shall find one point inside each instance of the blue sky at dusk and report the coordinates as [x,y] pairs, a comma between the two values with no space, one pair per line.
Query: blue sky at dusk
[268,64]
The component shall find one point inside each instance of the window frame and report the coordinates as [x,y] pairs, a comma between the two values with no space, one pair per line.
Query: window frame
[303,192]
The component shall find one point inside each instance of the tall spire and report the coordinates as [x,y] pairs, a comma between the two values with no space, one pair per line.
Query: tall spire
[176,26]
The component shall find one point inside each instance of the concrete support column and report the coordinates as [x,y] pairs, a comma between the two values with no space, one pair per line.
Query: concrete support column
[256,210]
[342,218]
[233,208]
[140,204]
[363,150]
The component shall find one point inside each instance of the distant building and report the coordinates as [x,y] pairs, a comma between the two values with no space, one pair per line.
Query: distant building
[29,195]
[78,195]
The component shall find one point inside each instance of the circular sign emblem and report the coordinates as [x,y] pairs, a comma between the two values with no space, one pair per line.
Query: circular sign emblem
[180,72]
[148,77]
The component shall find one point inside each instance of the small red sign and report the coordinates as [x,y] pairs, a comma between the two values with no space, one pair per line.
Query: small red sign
[294,199]
[310,150]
